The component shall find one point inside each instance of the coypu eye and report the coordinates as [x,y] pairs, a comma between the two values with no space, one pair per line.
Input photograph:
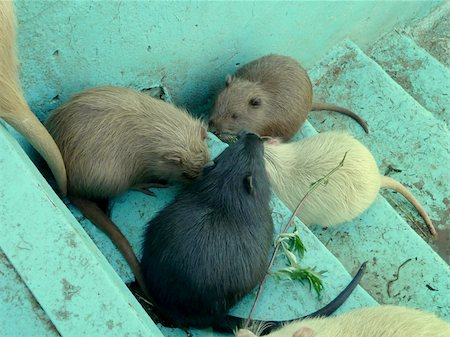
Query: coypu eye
[234,116]
[255,101]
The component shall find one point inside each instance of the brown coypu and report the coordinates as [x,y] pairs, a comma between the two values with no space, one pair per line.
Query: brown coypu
[270,96]
[13,106]
[114,139]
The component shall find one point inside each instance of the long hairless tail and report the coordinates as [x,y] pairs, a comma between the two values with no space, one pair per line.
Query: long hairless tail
[93,212]
[393,184]
[13,106]
[232,323]
[331,107]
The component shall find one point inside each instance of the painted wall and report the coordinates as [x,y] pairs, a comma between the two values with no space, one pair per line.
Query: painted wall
[188,47]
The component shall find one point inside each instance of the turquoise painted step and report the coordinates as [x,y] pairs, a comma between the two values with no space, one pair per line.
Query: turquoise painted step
[280,299]
[407,136]
[64,271]
[418,73]
[433,31]
[20,313]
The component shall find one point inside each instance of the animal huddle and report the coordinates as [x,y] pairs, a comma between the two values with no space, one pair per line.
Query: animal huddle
[210,246]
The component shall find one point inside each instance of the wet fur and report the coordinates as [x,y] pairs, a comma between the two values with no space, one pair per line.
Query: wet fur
[385,321]
[284,90]
[13,107]
[210,246]
[293,167]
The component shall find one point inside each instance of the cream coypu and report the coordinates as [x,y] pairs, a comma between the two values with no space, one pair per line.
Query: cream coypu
[13,106]
[270,96]
[114,139]
[210,246]
[380,321]
[293,167]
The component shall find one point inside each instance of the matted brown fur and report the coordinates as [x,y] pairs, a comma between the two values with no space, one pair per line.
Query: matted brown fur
[113,138]
[13,106]
[283,88]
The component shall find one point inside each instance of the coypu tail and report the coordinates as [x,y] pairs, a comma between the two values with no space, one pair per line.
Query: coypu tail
[398,187]
[94,213]
[330,107]
[13,107]
[265,327]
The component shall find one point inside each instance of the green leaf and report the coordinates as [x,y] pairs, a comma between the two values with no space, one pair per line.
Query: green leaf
[290,256]
[296,244]
[309,275]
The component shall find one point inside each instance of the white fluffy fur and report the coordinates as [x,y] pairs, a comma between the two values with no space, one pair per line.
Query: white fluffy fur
[382,321]
[293,167]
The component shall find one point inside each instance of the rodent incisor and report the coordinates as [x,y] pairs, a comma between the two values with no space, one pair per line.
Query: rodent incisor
[270,96]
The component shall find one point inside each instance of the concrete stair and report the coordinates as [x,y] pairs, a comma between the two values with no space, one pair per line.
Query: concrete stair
[417,72]
[432,33]
[407,136]
[400,86]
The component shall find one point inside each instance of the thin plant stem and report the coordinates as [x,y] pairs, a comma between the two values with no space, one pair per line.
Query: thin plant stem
[313,187]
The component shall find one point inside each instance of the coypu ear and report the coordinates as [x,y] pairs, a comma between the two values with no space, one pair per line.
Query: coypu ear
[248,182]
[255,101]
[304,332]
[245,333]
[228,80]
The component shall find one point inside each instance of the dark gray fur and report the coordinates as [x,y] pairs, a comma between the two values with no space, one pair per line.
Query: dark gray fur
[210,246]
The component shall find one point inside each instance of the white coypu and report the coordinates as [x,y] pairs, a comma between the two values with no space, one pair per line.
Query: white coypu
[293,167]
[14,108]
[381,321]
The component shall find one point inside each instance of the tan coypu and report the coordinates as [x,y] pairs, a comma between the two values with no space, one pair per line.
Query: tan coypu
[113,139]
[293,167]
[270,96]
[381,321]
[13,106]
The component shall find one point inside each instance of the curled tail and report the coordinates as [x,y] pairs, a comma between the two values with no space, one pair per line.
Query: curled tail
[13,106]
[330,107]
[398,187]
[94,213]
[231,323]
